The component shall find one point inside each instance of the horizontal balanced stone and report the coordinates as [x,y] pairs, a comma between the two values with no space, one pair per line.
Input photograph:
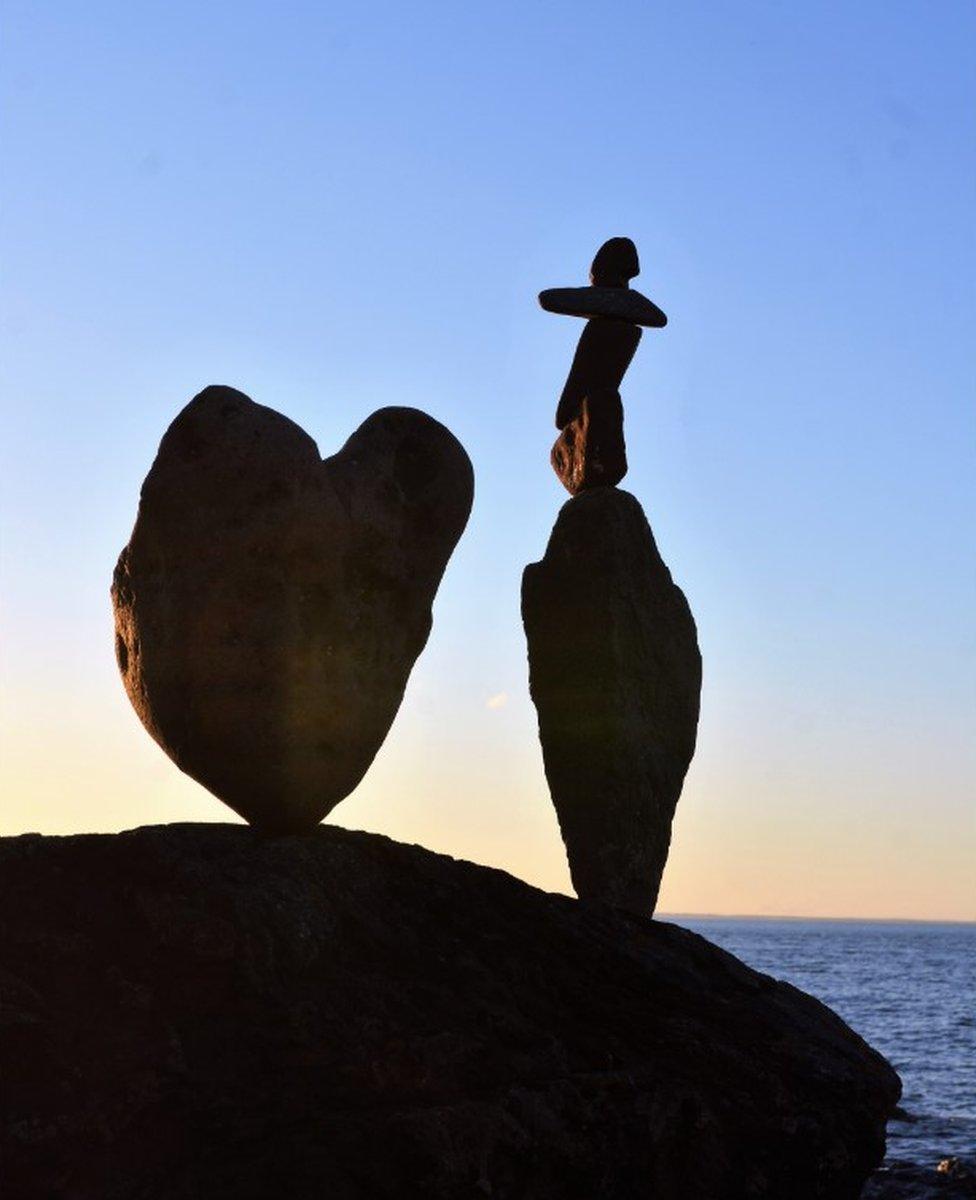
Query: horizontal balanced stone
[615,674]
[270,606]
[603,354]
[616,303]
[590,450]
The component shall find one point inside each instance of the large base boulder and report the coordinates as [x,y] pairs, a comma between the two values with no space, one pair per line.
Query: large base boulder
[270,606]
[195,1011]
[615,673]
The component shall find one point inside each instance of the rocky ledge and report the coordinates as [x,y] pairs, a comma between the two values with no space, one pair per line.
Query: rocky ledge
[191,1010]
[947,1179]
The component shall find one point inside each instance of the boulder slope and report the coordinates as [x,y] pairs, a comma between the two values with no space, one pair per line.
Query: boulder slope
[192,1010]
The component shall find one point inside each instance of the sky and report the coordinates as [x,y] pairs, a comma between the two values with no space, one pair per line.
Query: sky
[339,207]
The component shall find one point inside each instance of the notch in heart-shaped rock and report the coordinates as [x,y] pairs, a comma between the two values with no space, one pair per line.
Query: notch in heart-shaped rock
[270,605]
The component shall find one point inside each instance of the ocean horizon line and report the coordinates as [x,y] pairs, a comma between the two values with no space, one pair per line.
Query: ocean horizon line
[712,916]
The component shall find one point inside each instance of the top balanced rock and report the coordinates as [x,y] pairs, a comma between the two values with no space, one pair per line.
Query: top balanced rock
[590,450]
[270,605]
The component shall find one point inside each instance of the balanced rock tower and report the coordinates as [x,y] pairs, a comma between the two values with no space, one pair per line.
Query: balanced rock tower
[614,665]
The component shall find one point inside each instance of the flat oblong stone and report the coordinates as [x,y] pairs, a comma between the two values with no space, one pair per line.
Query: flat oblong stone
[616,303]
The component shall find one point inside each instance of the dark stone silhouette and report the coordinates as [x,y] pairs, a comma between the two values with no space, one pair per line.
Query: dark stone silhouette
[603,354]
[615,264]
[946,1179]
[270,606]
[609,303]
[615,674]
[605,350]
[590,450]
[194,1011]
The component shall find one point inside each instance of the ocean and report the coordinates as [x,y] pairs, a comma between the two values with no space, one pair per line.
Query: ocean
[908,988]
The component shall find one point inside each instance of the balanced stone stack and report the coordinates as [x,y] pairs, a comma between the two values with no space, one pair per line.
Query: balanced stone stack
[590,450]
[614,665]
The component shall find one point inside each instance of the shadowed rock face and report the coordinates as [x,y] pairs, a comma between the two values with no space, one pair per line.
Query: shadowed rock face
[270,606]
[615,673]
[194,1011]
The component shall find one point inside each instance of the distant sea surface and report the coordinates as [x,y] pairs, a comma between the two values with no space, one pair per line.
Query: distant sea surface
[909,989]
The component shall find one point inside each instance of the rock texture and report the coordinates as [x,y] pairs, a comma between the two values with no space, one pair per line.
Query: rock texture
[270,606]
[615,673]
[195,1011]
[590,451]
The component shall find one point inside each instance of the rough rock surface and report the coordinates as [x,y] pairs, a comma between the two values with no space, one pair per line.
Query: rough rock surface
[948,1179]
[615,673]
[270,606]
[590,451]
[197,1011]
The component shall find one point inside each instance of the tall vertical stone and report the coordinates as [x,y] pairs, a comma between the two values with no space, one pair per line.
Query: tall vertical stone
[615,674]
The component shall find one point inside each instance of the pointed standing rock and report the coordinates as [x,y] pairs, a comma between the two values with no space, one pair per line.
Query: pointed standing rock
[270,606]
[615,674]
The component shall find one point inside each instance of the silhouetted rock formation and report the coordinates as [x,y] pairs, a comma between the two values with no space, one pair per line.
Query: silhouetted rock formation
[194,1011]
[270,606]
[615,673]
[603,354]
[590,451]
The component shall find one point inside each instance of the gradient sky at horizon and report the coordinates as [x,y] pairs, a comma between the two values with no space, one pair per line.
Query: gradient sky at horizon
[335,207]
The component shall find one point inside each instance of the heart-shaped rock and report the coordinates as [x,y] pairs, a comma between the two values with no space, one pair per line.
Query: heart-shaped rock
[270,605]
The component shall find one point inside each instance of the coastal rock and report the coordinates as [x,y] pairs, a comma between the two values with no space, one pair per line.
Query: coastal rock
[948,1179]
[615,674]
[194,1010]
[270,606]
[590,451]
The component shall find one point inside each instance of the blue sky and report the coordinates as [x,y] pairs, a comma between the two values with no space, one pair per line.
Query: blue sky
[335,207]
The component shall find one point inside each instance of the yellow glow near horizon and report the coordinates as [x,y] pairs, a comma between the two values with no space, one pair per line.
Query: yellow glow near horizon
[754,842]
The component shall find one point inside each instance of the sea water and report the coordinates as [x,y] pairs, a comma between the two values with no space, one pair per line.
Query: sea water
[908,988]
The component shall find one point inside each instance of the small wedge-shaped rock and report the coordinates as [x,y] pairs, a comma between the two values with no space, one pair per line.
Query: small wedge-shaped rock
[615,673]
[270,606]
